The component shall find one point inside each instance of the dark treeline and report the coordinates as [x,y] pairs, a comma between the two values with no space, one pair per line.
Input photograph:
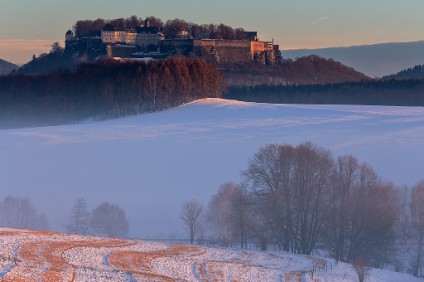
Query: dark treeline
[303,200]
[171,28]
[305,70]
[105,90]
[92,28]
[416,72]
[377,92]
[17,212]
[106,220]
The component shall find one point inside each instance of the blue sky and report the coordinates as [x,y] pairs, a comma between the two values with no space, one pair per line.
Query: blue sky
[30,26]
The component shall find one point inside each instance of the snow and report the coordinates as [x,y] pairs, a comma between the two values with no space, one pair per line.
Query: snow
[93,263]
[87,258]
[151,163]
[345,272]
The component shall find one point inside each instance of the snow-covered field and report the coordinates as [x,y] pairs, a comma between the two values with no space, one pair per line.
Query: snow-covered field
[43,256]
[149,164]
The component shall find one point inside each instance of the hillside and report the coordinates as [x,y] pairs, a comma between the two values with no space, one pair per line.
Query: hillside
[53,61]
[105,90]
[6,67]
[50,256]
[305,70]
[373,60]
[416,72]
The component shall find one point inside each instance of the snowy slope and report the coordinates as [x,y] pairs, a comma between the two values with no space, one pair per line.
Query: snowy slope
[41,256]
[150,164]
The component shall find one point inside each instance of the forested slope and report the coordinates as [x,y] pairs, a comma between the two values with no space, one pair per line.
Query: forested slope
[105,90]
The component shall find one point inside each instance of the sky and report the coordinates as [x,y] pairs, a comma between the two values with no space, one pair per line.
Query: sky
[29,27]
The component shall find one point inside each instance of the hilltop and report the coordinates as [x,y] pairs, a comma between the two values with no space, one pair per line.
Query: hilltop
[244,59]
[416,72]
[6,67]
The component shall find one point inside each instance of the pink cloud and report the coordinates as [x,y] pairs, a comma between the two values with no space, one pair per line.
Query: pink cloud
[324,18]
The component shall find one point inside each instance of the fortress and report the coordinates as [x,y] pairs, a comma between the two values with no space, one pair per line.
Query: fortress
[228,51]
[147,41]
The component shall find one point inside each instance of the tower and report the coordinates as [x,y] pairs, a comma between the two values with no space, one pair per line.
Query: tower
[69,36]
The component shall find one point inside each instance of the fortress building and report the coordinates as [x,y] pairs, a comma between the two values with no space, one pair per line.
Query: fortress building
[145,41]
[142,36]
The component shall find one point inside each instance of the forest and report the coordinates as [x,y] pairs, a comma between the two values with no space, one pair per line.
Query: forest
[372,92]
[416,72]
[309,70]
[106,219]
[105,89]
[303,200]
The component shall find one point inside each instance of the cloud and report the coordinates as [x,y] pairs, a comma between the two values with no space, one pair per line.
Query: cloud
[324,18]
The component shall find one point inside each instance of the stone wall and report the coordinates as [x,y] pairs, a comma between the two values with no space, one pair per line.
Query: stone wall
[231,51]
[182,47]
[225,51]
[121,51]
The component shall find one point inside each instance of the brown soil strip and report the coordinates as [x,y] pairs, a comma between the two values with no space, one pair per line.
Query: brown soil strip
[214,269]
[293,276]
[140,263]
[49,254]
[199,270]
[10,233]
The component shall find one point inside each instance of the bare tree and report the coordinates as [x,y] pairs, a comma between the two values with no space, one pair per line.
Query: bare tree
[312,174]
[371,232]
[351,182]
[219,214]
[192,217]
[110,220]
[19,212]
[291,187]
[417,224]
[80,218]
[361,269]
[242,214]
[270,174]
[228,214]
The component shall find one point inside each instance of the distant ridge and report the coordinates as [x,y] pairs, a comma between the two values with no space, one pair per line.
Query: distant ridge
[373,60]
[416,72]
[6,67]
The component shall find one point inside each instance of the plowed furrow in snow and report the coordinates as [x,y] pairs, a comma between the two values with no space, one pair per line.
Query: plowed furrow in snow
[201,273]
[140,263]
[215,271]
[43,260]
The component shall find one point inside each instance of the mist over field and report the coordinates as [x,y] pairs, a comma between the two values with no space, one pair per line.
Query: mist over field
[150,164]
